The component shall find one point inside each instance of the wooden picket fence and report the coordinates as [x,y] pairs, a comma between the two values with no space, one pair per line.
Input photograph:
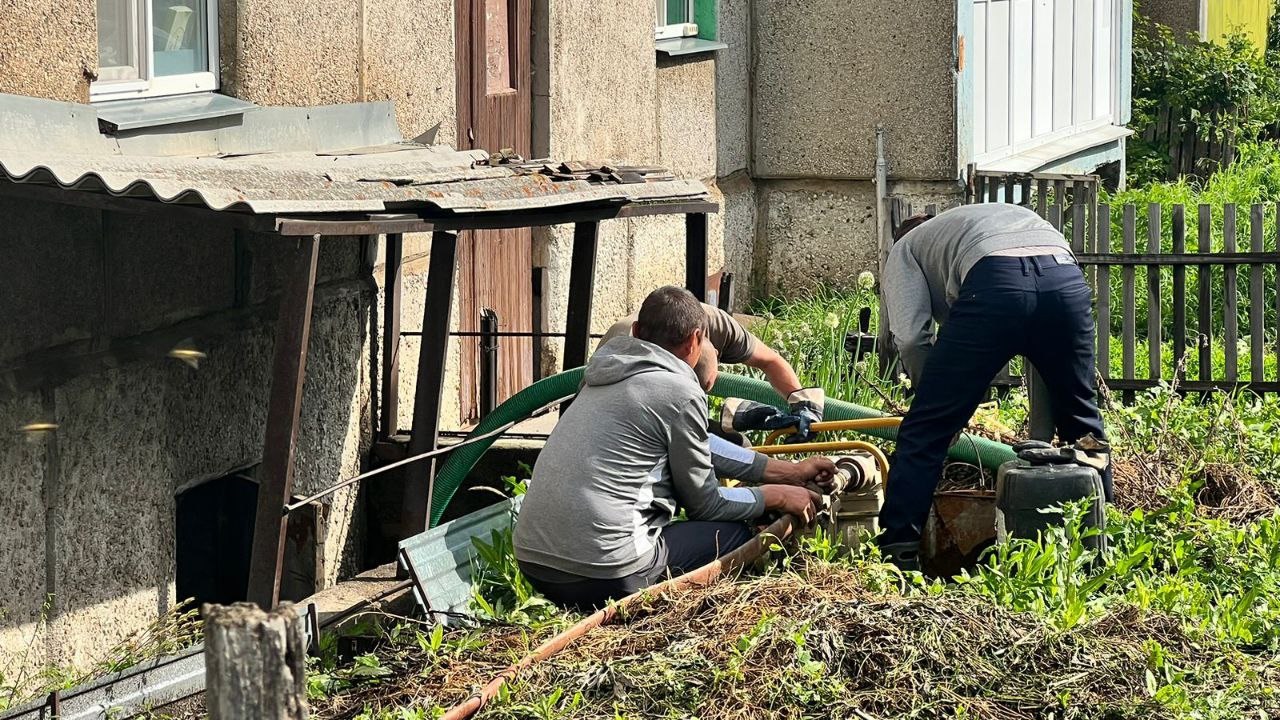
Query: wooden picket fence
[1193,152]
[1206,318]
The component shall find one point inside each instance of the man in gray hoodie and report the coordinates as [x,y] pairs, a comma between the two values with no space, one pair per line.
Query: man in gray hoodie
[596,523]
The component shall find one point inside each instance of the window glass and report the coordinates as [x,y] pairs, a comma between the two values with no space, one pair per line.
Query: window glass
[179,31]
[118,40]
[678,12]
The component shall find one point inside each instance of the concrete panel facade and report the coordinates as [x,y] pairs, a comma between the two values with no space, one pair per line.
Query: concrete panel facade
[828,72]
[816,233]
[687,115]
[94,502]
[32,65]
[601,80]
[733,87]
[275,53]
[409,60]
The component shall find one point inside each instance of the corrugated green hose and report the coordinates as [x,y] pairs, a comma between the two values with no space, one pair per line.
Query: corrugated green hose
[970,449]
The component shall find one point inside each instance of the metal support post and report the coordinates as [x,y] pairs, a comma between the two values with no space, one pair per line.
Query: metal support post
[1039,409]
[293,331]
[724,297]
[393,284]
[582,272]
[695,254]
[488,362]
[535,322]
[415,510]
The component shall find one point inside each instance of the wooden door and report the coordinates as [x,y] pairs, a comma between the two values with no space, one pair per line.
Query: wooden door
[493,43]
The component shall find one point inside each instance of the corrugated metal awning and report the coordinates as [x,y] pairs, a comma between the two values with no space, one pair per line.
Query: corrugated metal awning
[296,178]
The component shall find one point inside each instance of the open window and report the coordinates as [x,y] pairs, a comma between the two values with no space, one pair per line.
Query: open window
[149,48]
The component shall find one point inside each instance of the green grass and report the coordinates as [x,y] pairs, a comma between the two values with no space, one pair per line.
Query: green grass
[1181,619]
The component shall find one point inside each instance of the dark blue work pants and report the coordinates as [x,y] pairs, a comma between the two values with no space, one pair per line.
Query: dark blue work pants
[685,547]
[1008,306]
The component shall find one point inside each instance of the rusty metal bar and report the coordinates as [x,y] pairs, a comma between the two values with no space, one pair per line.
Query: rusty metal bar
[488,362]
[430,389]
[293,331]
[582,272]
[392,287]
[695,254]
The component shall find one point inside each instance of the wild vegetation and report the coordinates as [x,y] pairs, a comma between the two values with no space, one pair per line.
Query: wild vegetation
[1181,618]
[173,632]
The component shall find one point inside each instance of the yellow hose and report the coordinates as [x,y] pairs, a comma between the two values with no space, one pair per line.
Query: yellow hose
[828,447]
[879,423]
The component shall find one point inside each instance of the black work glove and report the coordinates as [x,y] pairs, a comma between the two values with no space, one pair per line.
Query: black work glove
[738,415]
[806,406]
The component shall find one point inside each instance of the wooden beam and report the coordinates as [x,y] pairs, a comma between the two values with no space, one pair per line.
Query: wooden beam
[429,394]
[293,332]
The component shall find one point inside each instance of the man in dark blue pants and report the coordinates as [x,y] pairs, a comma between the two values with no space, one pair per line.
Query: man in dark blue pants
[1001,282]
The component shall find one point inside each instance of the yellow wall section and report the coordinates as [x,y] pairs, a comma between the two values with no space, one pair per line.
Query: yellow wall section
[1242,16]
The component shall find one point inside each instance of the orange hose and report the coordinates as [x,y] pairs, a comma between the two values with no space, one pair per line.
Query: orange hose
[876,423]
[705,575]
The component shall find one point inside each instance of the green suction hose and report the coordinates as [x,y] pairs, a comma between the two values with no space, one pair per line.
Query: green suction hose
[971,448]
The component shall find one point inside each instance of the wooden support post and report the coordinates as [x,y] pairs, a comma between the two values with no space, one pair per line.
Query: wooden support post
[255,663]
[391,336]
[695,254]
[582,272]
[415,512]
[293,331]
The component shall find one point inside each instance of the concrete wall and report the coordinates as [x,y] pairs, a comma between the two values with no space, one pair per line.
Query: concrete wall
[601,92]
[827,72]
[1180,16]
[90,544]
[32,65]
[824,75]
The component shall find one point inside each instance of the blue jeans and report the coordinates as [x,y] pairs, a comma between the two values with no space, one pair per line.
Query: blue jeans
[1008,306]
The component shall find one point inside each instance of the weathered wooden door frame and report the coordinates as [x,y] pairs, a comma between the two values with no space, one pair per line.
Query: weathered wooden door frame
[495,267]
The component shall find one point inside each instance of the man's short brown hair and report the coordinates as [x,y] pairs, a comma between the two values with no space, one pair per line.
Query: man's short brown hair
[910,224]
[668,316]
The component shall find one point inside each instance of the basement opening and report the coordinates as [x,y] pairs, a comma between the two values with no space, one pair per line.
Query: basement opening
[214,542]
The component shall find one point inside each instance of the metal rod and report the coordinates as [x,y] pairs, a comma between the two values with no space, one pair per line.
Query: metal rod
[391,336]
[504,333]
[742,557]
[429,393]
[824,447]
[582,271]
[434,452]
[878,423]
[488,362]
[293,331]
[695,254]
[537,306]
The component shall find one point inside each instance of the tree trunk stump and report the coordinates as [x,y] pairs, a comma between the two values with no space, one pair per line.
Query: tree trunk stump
[255,663]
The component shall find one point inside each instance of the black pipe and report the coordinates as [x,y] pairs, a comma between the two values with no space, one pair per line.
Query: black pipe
[488,361]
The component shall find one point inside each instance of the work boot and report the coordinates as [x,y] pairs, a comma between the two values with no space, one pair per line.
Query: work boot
[903,555]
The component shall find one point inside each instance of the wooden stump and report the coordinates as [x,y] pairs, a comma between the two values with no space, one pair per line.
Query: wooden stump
[255,663]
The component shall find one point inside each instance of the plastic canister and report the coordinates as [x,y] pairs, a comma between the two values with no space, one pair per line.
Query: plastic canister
[1041,478]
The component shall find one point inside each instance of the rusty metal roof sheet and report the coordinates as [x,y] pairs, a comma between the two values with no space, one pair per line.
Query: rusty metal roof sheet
[401,178]
[282,161]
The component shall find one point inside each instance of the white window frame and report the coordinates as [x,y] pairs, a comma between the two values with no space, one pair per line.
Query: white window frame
[148,84]
[667,31]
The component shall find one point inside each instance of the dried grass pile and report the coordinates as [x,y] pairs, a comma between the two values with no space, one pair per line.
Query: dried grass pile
[825,646]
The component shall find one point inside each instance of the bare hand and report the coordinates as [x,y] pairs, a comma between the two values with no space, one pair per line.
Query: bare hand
[792,500]
[820,471]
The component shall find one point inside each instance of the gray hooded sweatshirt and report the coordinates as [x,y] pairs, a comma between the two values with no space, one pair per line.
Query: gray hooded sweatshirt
[630,450]
[926,268]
